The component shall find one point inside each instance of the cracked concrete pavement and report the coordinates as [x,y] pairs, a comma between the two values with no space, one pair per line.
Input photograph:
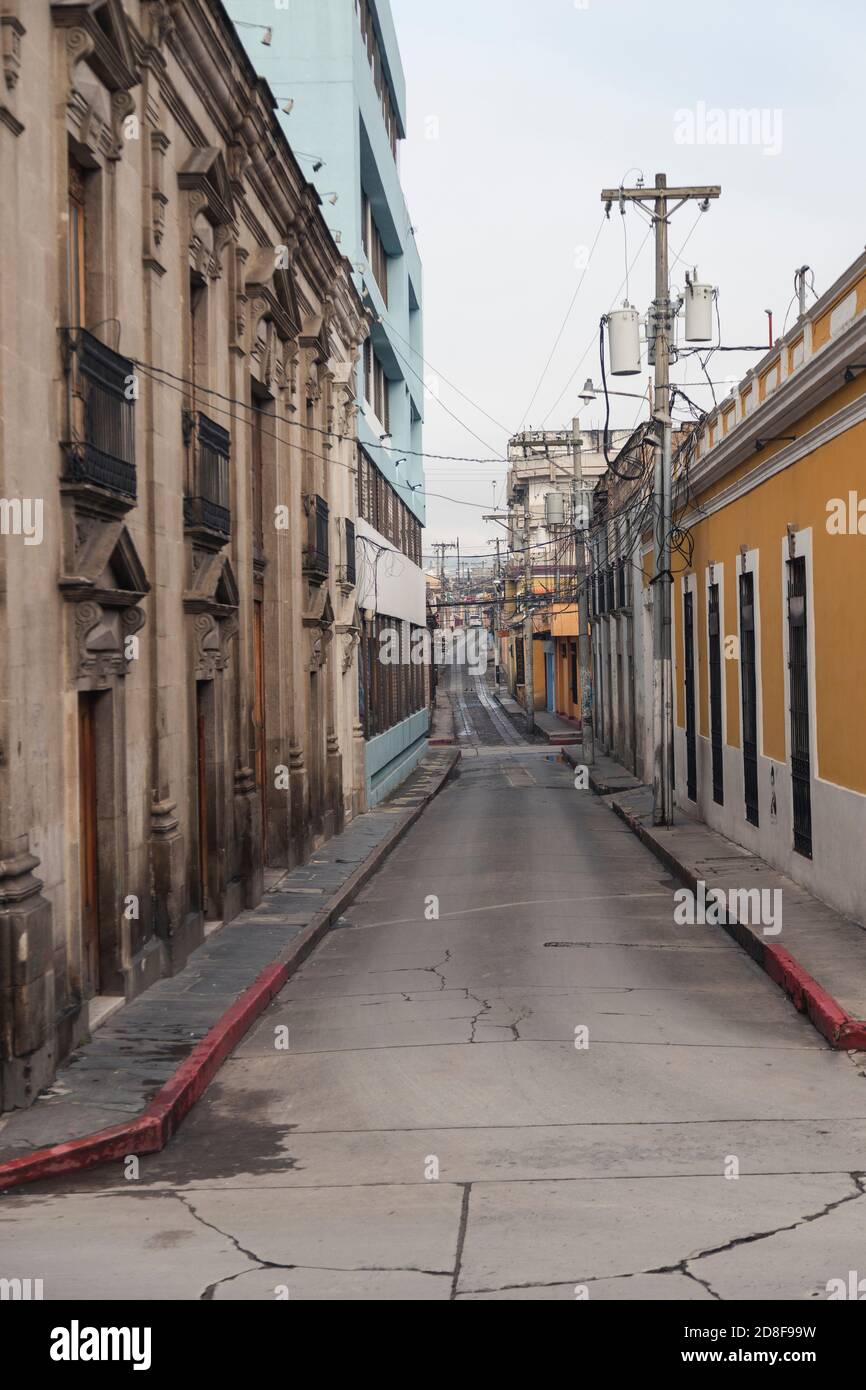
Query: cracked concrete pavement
[433,1132]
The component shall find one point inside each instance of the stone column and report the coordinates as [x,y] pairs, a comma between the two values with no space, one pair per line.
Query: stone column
[27,1025]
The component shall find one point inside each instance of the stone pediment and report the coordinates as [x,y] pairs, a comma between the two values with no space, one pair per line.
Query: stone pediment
[272,284]
[108,568]
[106,39]
[206,174]
[314,335]
[320,610]
[214,588]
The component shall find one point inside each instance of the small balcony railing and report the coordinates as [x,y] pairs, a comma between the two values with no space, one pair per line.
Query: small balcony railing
[100,443]
[206,507]
[317,550]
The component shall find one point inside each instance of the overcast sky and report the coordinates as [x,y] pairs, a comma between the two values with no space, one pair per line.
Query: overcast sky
[520,111]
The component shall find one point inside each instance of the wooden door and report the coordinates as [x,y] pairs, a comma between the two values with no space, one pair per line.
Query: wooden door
[259,718]
[201,772]
[88,844]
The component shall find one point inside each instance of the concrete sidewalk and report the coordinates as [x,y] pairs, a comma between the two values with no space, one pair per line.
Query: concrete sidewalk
[154,1058]
[442,721]
[557,731]
[818,957]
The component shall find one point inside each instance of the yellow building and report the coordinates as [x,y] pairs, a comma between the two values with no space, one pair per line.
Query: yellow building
[769,612]
[556,677]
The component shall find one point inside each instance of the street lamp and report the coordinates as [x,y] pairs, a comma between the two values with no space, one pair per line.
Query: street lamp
[267,36]
[589,393]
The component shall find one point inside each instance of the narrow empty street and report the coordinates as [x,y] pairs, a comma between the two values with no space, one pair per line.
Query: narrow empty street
[507,1074]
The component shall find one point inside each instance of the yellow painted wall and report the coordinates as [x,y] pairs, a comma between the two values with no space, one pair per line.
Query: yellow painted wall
[759,520]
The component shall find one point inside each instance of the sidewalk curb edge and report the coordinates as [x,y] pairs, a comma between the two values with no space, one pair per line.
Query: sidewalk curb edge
[151,1130]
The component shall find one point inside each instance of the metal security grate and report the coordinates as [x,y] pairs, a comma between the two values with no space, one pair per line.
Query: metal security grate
[749,676]
[351,574]
[798,666]
[716,737]
[206,507]
[691,734]
[101,380]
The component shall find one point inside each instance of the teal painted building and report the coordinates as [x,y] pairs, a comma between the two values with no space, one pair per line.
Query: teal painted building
[335,71]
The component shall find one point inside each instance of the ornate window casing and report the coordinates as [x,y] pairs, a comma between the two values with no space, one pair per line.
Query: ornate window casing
[210,211]
[212,602]
[102,70]
[106,583]
[12,31]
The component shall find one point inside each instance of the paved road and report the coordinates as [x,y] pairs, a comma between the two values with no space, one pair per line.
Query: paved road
[432,1130]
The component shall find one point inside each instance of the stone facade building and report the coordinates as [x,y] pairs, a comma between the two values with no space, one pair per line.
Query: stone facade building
[180,337]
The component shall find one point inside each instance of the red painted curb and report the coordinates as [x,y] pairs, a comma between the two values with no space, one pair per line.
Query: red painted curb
[841,1030]
[151,1131]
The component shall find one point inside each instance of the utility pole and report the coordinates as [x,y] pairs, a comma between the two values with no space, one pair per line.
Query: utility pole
[584,650]
[439,547]
[500,520]
[497,613]
[661,197]
[528,657]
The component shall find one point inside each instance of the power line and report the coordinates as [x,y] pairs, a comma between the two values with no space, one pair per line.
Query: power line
[564,324]
[481,411]
[150,368]
[589,345]
[323,458]
[447,409]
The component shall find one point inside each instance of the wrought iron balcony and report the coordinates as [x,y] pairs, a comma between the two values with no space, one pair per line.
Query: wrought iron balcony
[206,507]
[100,442]
[317,550]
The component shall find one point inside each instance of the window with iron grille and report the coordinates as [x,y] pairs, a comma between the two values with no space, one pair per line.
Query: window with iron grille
[621,584]
[207,506]
[610,596]
[798,667]
[100,448]
[749,678]
[317,551]
[350,552]
[691,732]
[716,732]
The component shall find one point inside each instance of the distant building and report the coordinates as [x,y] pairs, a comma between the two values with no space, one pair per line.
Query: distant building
[542,463]
[338,64]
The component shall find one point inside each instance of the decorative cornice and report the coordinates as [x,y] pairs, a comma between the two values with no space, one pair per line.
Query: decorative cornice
[817,379]
[837,424]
